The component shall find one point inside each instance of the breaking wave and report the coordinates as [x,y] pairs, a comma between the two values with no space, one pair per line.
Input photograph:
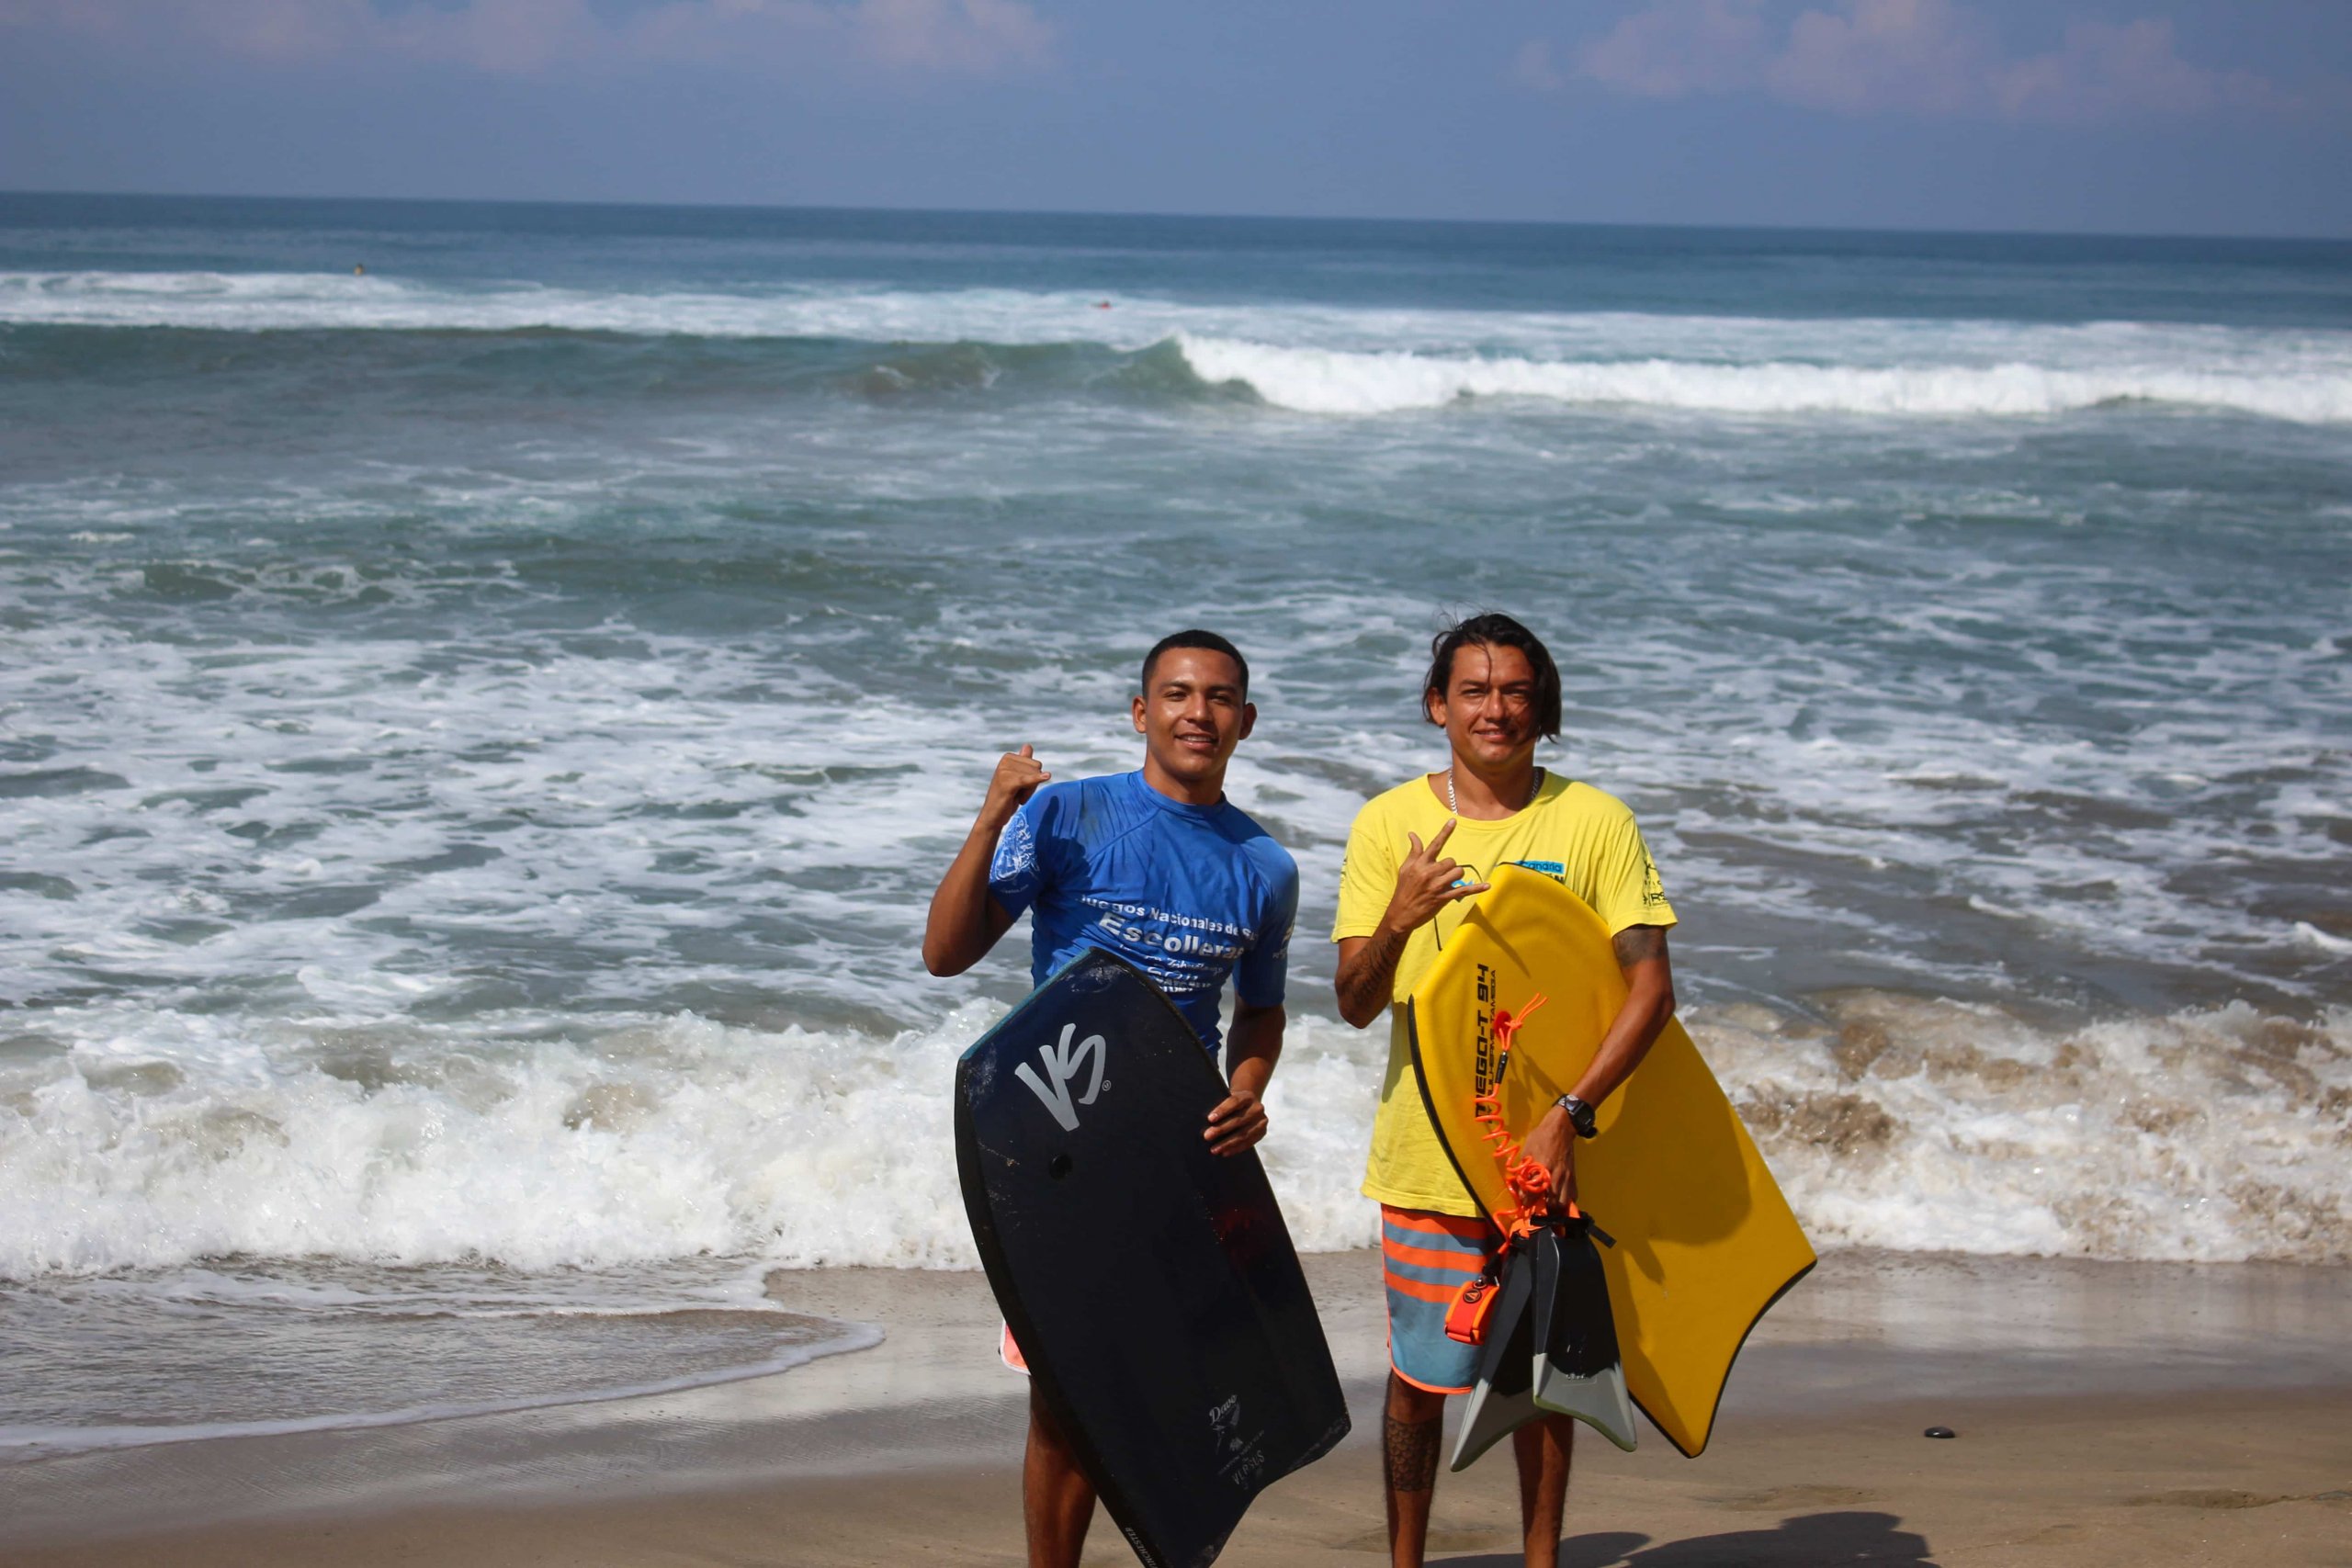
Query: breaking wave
[1315,380]
[162,1140]
[1312,358]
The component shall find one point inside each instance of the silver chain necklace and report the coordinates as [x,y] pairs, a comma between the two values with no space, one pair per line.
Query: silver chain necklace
[1534,790]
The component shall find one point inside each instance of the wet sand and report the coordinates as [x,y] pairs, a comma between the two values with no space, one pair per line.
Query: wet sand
[2108,1414]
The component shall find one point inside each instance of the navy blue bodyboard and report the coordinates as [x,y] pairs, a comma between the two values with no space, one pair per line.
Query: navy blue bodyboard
[1150,1285]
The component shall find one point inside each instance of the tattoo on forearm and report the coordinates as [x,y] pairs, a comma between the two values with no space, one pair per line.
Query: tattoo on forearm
[1635,944]
[1412,1453]
[1364,984]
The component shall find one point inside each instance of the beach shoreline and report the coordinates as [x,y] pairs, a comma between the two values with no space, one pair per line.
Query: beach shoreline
[2105,1410]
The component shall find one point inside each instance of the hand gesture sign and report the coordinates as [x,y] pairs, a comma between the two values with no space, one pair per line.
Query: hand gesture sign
[1017,777]
[1427,882]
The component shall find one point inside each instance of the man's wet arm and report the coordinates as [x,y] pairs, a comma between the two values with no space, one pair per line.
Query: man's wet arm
[1636,944]
[1367,973]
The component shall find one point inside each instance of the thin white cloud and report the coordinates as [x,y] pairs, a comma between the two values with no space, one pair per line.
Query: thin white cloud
[1928,56]
[1936,58]
[938,38]
[2104,72]
[1677,48]
[952,34]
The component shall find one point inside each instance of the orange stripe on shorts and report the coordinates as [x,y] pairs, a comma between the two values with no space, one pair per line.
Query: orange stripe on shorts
[1463,1263]
[1459,1227]
[1421,1290]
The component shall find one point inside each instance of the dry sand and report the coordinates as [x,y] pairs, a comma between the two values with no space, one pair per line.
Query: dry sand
[2108,1414]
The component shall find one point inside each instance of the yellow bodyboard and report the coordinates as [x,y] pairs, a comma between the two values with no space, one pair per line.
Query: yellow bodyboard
[1705,1241]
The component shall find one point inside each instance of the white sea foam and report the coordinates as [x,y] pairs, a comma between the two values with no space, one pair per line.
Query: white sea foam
[163,1140]
[310,302]
[1333,359]
[1328,381]
[2322,939]
[260,301]
[1934,1125]
[362,826]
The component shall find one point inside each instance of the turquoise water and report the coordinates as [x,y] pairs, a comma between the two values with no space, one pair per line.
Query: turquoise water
[476,735]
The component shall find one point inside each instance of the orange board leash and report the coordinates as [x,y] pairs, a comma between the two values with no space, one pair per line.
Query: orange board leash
[1530,1184]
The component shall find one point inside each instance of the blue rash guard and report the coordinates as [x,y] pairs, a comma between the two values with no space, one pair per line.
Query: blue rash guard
[1187,893]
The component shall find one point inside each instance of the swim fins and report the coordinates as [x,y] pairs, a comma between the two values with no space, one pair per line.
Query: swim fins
[1503,1399]
[1577,1372]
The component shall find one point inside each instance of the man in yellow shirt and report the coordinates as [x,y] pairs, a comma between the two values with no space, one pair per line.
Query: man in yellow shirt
[1416,855]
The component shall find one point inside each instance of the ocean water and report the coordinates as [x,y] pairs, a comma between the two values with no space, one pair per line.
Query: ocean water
[477,735]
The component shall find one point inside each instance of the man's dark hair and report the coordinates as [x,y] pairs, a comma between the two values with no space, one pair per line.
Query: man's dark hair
[1493,630]
[1196,639]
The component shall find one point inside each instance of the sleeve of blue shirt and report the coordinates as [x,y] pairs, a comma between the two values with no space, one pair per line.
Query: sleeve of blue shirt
[1016,872]
[1259,978]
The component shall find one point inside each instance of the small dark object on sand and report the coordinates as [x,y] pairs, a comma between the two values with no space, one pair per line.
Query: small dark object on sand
[1939,1432]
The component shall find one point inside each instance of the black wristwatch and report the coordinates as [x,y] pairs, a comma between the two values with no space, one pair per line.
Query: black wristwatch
[1580,1115]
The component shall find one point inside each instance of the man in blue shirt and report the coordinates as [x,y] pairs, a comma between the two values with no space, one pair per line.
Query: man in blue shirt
[1159,868]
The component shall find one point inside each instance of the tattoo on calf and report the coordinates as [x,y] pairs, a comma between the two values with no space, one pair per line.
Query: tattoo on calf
[1636,942]
[1412,1453]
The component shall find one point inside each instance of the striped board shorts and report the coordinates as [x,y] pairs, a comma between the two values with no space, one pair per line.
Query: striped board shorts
[1426,1259]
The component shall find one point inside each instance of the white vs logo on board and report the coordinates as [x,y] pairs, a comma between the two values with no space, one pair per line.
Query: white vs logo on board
[1062,1062]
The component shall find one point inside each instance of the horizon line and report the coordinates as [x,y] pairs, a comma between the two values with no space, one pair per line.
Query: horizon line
[1923,230]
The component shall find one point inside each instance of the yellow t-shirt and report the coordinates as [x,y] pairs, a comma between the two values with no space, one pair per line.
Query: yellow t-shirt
[1581,836]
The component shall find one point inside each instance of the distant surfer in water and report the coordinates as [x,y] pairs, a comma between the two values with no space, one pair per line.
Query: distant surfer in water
[1415,858]
[1159,868]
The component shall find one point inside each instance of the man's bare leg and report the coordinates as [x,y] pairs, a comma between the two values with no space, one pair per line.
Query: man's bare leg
[1409,1440]
[1057,1500]
[1544,1447]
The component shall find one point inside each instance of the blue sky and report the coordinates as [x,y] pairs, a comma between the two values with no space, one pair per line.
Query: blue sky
[2194,118]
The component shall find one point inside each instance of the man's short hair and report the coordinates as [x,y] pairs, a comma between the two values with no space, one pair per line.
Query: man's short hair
[1492,629]
[1195,638]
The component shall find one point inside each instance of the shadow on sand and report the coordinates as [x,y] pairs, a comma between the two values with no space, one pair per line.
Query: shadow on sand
[1807,1541]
